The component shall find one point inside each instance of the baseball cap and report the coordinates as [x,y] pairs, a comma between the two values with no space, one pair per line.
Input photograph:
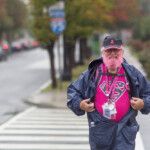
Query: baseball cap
[112,42]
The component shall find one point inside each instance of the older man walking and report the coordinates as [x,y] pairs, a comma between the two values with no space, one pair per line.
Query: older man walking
[111,92]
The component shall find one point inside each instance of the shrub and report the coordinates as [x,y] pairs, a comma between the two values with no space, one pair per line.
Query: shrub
[144,58]
[146,45]
[137,45]
[141,29]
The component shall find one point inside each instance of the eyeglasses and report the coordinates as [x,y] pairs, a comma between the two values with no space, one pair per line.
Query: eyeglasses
[113,50]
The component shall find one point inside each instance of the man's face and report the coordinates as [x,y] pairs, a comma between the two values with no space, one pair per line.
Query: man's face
[112,58]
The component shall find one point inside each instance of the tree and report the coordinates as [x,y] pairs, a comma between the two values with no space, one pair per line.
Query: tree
[124,13]
[6,21]
[42,32]
[16,10]
[83,18]
[12,16]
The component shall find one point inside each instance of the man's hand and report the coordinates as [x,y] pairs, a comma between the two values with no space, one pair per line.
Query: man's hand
[137,103]
[86,105]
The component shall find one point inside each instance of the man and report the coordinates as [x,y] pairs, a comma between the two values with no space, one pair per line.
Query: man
[111,92]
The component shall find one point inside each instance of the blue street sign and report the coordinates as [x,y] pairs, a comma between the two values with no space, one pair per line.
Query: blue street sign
[58,26]
[57,13]
[58,23]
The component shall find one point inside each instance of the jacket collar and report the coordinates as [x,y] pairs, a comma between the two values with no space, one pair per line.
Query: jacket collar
[95,62]
[98,61]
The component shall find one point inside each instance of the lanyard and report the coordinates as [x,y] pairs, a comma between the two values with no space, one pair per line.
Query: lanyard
[110,90]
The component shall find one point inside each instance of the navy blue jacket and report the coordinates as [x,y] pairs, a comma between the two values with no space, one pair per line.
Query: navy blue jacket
[105,134]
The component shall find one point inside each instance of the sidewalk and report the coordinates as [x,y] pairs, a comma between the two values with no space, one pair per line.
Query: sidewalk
[59,100]
[48,99]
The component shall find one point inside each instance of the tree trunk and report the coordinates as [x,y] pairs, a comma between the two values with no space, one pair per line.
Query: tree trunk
[69,60]
[82,52]
[71,50]
[52,71]
[85,49]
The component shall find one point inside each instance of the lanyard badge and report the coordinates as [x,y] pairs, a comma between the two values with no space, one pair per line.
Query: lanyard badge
[109,108]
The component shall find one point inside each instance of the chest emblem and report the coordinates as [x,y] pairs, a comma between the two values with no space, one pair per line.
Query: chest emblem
[118,92]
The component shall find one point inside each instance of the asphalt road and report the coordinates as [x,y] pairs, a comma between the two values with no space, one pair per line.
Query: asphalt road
[21,75]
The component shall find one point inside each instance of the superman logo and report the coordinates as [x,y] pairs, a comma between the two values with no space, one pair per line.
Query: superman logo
[119,90]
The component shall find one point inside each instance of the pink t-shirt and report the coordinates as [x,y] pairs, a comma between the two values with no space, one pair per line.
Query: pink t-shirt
[120,96]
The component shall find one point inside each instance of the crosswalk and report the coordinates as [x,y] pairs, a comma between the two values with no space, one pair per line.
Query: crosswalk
[46,129]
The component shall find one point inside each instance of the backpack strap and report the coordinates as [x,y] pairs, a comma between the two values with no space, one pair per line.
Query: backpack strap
[128,81]
[104,73]
[91,76]
[98,77]
[113,74]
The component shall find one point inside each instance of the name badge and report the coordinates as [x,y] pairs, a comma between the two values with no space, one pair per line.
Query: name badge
[106,111]
[109,111]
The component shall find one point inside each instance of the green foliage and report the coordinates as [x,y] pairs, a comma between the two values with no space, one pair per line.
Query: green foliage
[94,43]
[141,51]
[85,16]
[41,21]
[144,59]
[17,11]
[6,21]
[124,12]
[141,29]
[137,45]
[12,16]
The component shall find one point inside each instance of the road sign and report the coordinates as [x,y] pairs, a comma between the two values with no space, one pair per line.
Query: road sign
[59,5]
[57,13]
[58,26]
[58,23]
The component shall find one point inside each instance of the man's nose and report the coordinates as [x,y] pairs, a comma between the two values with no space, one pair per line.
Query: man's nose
[112,52]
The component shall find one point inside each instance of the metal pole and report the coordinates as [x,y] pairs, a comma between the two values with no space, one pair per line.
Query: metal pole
[59,63]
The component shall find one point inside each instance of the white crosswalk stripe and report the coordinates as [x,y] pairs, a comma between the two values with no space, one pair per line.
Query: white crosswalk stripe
[47,129]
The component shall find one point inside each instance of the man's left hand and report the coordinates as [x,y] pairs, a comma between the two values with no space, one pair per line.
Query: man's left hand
[137,103]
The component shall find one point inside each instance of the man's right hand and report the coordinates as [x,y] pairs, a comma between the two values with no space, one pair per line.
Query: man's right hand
[86,105]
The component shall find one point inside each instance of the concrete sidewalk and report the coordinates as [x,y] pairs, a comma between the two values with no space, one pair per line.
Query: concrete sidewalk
[48,99]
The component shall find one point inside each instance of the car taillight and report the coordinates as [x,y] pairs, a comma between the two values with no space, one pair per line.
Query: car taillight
[18,47]
[5,47]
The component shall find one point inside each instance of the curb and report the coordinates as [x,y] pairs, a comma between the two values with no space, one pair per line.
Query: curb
[47,99]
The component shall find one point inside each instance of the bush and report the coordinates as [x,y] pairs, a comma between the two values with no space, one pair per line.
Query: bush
[137,45]
[141,29]
[146,45]
[144,58]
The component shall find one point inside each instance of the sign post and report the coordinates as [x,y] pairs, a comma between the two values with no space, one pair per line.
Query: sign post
[58,25]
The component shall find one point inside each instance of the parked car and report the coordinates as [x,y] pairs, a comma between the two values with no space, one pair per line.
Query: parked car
[34,44]
[6,47]
[16,46]
[25,44]
[3,55]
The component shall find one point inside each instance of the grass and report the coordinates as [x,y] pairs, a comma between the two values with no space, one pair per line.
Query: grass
[76,72]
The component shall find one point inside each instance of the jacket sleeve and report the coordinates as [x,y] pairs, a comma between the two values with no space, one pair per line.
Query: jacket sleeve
[145,94]
[76,93]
